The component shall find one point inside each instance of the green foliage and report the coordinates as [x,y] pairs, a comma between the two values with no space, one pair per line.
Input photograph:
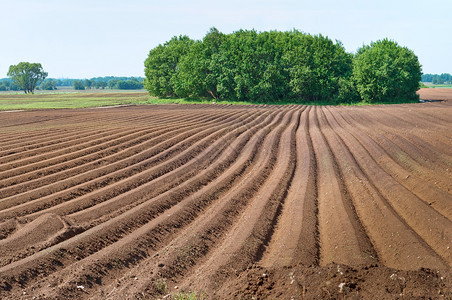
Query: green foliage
[386,72]
[161,66]
[189,296]
[78,85]
[112,83]
[194,76]
[95,82]
[88,84]
[161,285]
[27,75]
[437,79]
[278,66]
[129,85]
[316,65]
[6,84]
[100,84]
[423,86]
[347,93]
[248,67]
[48,84]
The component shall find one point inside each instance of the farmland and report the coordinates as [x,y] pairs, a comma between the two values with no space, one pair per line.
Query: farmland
[435,94]
[226,201]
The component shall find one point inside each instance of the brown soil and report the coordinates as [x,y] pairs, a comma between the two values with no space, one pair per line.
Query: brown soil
[435,94]
[226,202]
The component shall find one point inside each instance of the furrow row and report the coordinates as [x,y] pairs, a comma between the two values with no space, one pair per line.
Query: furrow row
[166,199]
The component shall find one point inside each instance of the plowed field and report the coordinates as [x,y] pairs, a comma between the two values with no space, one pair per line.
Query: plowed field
[226,201]
[435,94]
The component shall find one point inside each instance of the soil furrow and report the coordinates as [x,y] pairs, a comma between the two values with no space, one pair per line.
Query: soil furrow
[92,158]
[126,178]
[146,191]
[405,248]
[295,240]
[90,238]
[246,240]
[429,193]
[341,238]
[20,159]
[202,230]
[50,158]
[226,201]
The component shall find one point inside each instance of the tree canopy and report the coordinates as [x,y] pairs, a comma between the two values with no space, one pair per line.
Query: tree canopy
[161,66]
[48,84]
[27,75]
[385,72]
[78,85]
[277,66]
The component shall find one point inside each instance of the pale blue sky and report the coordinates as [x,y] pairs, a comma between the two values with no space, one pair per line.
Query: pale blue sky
[84,39]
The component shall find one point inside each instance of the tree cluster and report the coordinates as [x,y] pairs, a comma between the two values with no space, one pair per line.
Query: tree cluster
[7,84]
[48,84]
[24,74]
[278,66]
[121,83]
[437,79]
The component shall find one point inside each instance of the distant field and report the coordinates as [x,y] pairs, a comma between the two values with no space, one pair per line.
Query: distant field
[436,86]
[435,94]
[72,100]
[86,99]
[98,98]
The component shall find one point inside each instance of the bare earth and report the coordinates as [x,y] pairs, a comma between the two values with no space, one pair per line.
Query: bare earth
[292,202]
[435,94]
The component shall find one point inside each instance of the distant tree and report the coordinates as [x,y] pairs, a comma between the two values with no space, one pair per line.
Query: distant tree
[88,84]
[27,75]
[129,85]
[100,84]
[78,85]
[112,83]
[437,80]
[14,87]
[446,77]
[386,72]
[426,77]
[48,84]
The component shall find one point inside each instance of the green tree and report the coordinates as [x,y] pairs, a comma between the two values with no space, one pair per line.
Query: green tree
[161,66]
[386,72]
[437,80]
[27,75]
[248,66]
[112,83]
[88,84]
[101,84]
[317,67]
[78,85]
[194,76]
[132,84]
[48,84]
